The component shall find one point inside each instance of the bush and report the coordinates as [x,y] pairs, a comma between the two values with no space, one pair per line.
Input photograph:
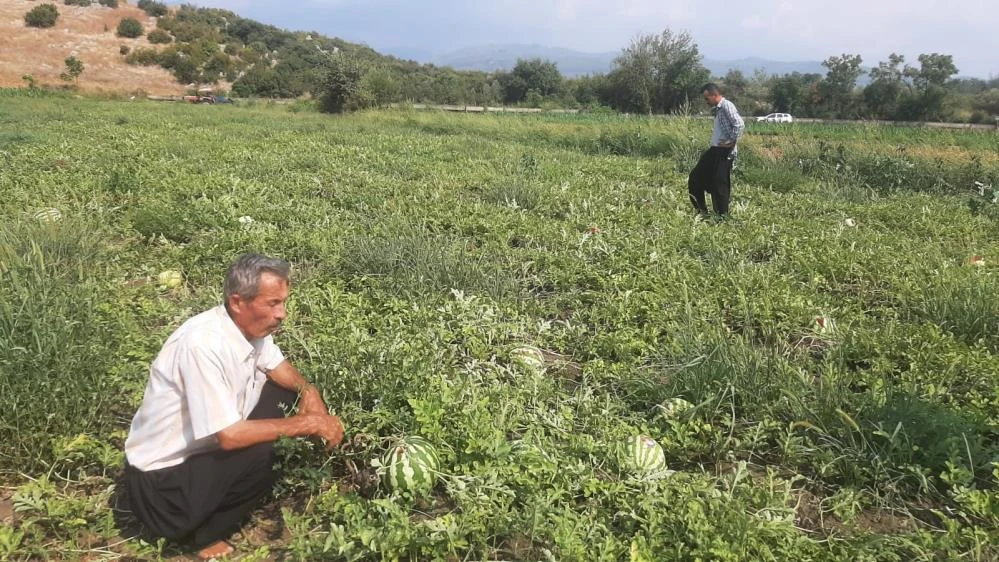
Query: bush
[342,89]
[81,3]
[108,3]
[159,36]
[130,27]
[155,9]
[42,16]
[143,57]
[74,67]
[124,49]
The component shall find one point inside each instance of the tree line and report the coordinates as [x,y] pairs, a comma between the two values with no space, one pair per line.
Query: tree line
[655,74]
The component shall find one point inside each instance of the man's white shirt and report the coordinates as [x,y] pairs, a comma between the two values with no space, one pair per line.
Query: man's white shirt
[207,377]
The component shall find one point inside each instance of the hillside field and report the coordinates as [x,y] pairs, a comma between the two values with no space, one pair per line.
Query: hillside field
[86,33]
[837,337]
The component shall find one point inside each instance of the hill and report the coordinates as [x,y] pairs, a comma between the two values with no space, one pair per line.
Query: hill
[87,33]
[214,46]
[749,65]
[201,46]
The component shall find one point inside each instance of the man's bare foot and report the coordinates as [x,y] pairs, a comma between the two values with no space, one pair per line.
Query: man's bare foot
[220,549]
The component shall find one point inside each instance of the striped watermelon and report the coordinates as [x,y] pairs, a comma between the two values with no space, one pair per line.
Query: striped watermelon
[529,358]
[170,279]
[48,215]
[411,465]
[675,407]
[645,456]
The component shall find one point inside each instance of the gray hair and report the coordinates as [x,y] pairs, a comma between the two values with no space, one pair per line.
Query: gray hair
[243,276]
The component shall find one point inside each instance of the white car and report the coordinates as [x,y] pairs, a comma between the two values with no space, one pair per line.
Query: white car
[776,118]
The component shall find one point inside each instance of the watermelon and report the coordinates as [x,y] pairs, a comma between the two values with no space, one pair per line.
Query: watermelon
[170,279]
[645,456]
[48,215]
[529,358]
[675,407]
[411,465]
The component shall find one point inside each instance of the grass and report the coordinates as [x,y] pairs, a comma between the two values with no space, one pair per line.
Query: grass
[426,245]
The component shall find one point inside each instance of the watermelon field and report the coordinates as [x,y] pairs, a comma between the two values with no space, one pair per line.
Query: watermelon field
[533,297]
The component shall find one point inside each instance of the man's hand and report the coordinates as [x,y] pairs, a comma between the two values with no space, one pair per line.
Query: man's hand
[311,402]
[334,432]
[287,376]
[326,426]
[247,433]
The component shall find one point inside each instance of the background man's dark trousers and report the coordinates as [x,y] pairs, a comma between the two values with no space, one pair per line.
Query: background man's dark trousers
[712,174]
[205,499]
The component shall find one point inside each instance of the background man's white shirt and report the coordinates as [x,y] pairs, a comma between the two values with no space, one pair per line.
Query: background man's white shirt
[207,377]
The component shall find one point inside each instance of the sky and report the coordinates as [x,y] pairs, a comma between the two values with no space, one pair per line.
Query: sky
[781,30]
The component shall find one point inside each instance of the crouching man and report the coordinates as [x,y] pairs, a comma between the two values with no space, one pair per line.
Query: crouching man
[199,454]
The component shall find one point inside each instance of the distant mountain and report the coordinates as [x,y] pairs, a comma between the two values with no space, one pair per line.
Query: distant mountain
[574,63]
[749,65]
[504,57]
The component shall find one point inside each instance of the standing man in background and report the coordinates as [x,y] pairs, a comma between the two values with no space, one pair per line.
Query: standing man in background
[713,172]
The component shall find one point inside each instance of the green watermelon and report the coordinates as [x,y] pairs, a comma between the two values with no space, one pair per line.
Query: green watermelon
[48,215]
[645,456]
[411,465]
[170,279]
[674,407]
[529,358]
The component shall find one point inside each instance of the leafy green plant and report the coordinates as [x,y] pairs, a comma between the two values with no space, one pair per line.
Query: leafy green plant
[74,68]
[409,259]
[142,56]
[962,304]
[159,36]
[781,179]
[153,8]
[130,28]
[43,15]
[342,88]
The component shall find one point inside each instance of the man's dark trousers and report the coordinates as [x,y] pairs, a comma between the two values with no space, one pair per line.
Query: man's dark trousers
[205,498]
[712,174]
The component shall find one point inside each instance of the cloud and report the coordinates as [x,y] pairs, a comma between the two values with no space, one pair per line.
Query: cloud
[752,22]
